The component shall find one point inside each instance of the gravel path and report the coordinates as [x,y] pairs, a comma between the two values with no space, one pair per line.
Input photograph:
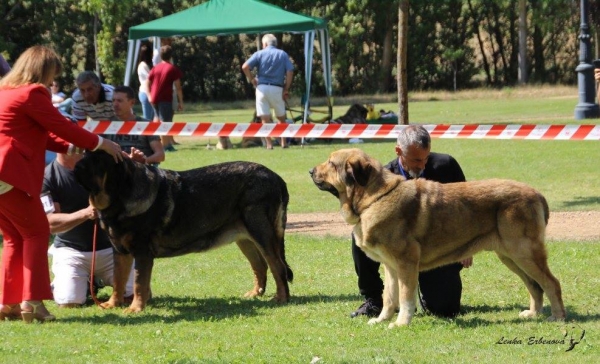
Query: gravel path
[573,225]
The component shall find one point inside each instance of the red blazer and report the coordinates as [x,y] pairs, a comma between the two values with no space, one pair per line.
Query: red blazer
[30,124]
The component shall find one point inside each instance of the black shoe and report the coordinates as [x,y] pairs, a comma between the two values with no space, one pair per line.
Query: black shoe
[370,308]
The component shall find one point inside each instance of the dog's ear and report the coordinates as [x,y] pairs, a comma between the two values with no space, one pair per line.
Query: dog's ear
[358,170]
[83,174]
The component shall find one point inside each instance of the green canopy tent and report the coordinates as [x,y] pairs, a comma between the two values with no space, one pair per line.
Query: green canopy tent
[225,17]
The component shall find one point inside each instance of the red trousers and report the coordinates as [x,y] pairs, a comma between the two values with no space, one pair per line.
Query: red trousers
[25,274]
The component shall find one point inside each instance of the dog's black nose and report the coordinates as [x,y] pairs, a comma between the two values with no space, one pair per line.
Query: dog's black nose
[311,171]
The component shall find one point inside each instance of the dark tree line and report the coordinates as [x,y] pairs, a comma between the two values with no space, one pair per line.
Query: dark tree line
[451,44]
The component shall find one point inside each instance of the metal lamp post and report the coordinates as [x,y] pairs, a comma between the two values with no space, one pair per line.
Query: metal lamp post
[587,107]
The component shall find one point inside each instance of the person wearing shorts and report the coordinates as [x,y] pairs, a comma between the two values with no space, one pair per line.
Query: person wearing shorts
[274,73]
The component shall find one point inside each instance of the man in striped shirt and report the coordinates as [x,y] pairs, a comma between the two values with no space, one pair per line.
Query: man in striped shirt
[92,99]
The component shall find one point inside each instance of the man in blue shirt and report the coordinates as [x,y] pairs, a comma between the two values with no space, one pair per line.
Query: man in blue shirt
[272,82]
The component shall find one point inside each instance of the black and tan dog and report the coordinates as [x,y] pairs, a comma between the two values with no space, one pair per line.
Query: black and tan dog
[154,213]
[417,225]
[356,114]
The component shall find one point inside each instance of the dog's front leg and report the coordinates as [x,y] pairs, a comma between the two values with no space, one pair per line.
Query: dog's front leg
[390,296]
[141,287]
[121,269]
[408,278]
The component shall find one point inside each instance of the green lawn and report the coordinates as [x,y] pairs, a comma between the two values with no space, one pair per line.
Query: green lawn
[529,105]
[198,316]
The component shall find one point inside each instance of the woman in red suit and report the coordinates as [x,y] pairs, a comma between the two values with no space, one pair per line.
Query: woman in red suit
[30,124]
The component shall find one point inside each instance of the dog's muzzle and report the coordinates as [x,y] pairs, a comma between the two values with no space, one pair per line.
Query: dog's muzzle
[322,185]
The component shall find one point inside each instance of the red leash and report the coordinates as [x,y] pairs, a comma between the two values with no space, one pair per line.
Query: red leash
[94,264]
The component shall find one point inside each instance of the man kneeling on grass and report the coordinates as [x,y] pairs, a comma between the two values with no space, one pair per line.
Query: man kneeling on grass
[71,219]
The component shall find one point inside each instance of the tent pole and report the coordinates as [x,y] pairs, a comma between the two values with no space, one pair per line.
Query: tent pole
[129,64]
[326,59]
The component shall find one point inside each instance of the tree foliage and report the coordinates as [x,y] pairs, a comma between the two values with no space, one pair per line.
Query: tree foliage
[451,43]
[110,44]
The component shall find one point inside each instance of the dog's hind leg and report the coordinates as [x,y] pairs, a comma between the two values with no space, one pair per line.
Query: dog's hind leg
[270,242]
[538,270]
[279,271]
[535,266]
[258,264]
[536,293]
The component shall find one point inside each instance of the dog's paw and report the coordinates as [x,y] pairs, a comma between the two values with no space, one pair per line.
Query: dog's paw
[133,309]
[254,293]
[374,321]
[109,304]
[528,314]
[396,324]
[281,299]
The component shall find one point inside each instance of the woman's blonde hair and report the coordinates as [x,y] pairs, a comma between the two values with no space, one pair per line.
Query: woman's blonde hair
[38,64]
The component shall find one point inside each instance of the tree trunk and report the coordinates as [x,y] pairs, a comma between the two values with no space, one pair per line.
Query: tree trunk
[402,50]
[538,72]
[512,48]
[386,60]
[522,42]
[496,33]
[476,30]
[96,45]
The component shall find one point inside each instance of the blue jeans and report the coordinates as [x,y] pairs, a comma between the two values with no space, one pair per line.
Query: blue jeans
[147,109]
[65,105]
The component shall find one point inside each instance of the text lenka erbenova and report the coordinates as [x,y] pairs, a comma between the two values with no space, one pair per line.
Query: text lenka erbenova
[570,338]
[532,340]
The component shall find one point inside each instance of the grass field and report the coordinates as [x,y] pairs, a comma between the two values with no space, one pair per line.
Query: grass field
[197,315]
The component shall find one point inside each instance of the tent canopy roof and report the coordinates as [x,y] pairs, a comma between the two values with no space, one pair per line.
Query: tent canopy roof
[222,17]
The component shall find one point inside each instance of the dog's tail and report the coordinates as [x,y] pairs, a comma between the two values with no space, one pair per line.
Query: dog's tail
[545,207]
[285,199]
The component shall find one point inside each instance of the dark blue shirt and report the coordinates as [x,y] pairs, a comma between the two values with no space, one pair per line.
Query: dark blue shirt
[441,168]
[65,190]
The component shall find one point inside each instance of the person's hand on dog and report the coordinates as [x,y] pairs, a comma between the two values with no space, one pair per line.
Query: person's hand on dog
[467,262]
[137,155]
[111,148]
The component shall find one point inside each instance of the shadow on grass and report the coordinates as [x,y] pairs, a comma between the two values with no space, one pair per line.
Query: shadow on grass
[461,320]
[169,309]
[582,201]
[197,309]
[574,316]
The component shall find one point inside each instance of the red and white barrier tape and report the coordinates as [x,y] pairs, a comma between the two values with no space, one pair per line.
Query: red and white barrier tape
[366,131]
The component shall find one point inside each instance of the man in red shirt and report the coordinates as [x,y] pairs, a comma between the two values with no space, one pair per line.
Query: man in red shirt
[160,83]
